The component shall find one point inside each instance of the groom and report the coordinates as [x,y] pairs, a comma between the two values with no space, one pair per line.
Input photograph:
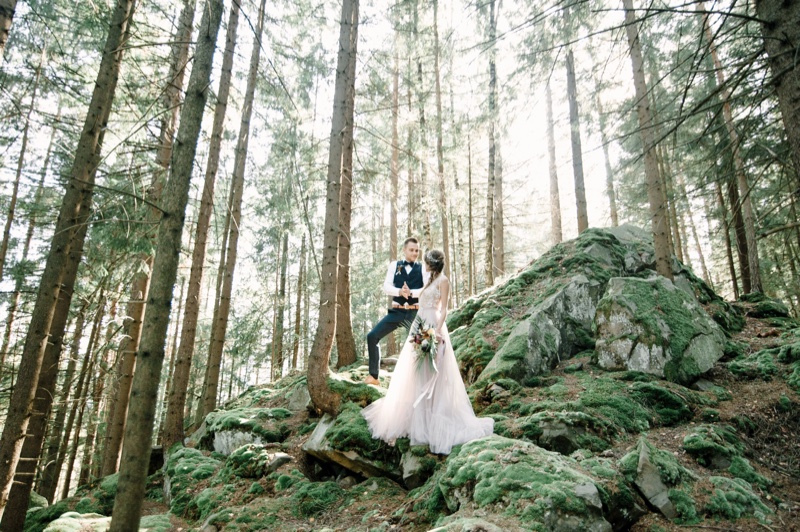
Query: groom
[404,282]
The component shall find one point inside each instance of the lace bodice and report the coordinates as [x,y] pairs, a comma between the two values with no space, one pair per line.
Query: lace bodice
[430,298]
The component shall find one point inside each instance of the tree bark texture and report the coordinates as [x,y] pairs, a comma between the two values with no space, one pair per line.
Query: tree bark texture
[577,149]
[301,281]
[220,321]
[176,403]
[323,398]
[780,28]
[555,201]
[19,497]
[489,267]
[345,342]
[277,342]
[498,239]
[655,192]
[73,213]
[150,356]
[745,204]
[439,149]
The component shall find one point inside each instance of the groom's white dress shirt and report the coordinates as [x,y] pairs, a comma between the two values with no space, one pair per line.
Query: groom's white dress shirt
[388,284]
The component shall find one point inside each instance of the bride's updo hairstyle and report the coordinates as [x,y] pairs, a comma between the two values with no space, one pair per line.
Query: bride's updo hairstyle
[435,261]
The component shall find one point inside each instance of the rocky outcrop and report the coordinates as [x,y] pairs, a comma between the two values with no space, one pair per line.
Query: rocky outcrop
[549,312]
[651,326]
[522,481]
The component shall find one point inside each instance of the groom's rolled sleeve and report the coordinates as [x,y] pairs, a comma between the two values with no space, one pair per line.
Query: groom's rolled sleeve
[388,284]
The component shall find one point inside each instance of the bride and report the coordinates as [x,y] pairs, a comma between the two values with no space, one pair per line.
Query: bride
[426,402]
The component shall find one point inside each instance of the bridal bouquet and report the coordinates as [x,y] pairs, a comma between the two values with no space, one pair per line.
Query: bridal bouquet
[423,336]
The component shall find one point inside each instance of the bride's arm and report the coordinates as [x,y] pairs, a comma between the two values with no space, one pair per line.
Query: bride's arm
[444,291]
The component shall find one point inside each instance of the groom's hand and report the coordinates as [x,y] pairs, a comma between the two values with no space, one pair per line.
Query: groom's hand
[405,291]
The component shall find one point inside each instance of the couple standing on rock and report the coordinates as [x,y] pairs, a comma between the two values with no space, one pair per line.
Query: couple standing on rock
[426,400]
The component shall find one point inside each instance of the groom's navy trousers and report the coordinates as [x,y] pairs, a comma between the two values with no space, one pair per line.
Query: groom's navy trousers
[394,319]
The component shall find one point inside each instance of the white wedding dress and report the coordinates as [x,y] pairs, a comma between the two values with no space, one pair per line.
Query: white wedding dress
[425,405]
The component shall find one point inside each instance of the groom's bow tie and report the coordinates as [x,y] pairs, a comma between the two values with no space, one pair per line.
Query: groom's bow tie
[407,263]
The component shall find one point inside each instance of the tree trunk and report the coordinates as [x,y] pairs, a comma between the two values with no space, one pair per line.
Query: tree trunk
[739,232]
[140,285]
[322,396]
[472,271]
[7,8]
[577,150]
[150,356]
[655,192]
[300,287]
[14,303]
[174,422]
[394,177]
[489,267]
[780,26]
[555,201]
[31,452]
[746,203]
[439,149]
[498,248]
[277,342]
[610,192]
[51,469]
[12,202]
[222,312]
[76,415]
[75,210]
[727,237]
[345,342]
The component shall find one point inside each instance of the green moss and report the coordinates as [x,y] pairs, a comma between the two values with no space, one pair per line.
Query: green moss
[784,404]
[670,470]
[249,461]
[156,523]
[710,443]
[709,415]
[769,308]
[38,520]
[263,422]
[685,507]
[793,380]
[734,498]
[354,392]
[286,481]
[760,365]
[670,408]
[210,500]
[734,349]
[464,314]
[313,498]
[789,353]
[350,431]
[185,467]
[741,468]
[727,316]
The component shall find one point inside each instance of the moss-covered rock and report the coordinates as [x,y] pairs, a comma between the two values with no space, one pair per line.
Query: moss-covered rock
[223,431]
[254,461]
[650,325]
[347,441]
[713,445]
[184,467]
[760,365]
[541,490]
[734,498]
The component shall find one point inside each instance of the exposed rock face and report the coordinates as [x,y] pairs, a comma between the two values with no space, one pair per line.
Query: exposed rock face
[546,313]
[651,326]
[224,431]
[320,445]
[496,475]
[557,328]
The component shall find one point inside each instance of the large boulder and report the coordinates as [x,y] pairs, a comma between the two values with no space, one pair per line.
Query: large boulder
[558,327]
[651,326]
[538,489]
[345,440]
[224,431]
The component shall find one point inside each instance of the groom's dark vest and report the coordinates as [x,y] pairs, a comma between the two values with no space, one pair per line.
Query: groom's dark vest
[413,278]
